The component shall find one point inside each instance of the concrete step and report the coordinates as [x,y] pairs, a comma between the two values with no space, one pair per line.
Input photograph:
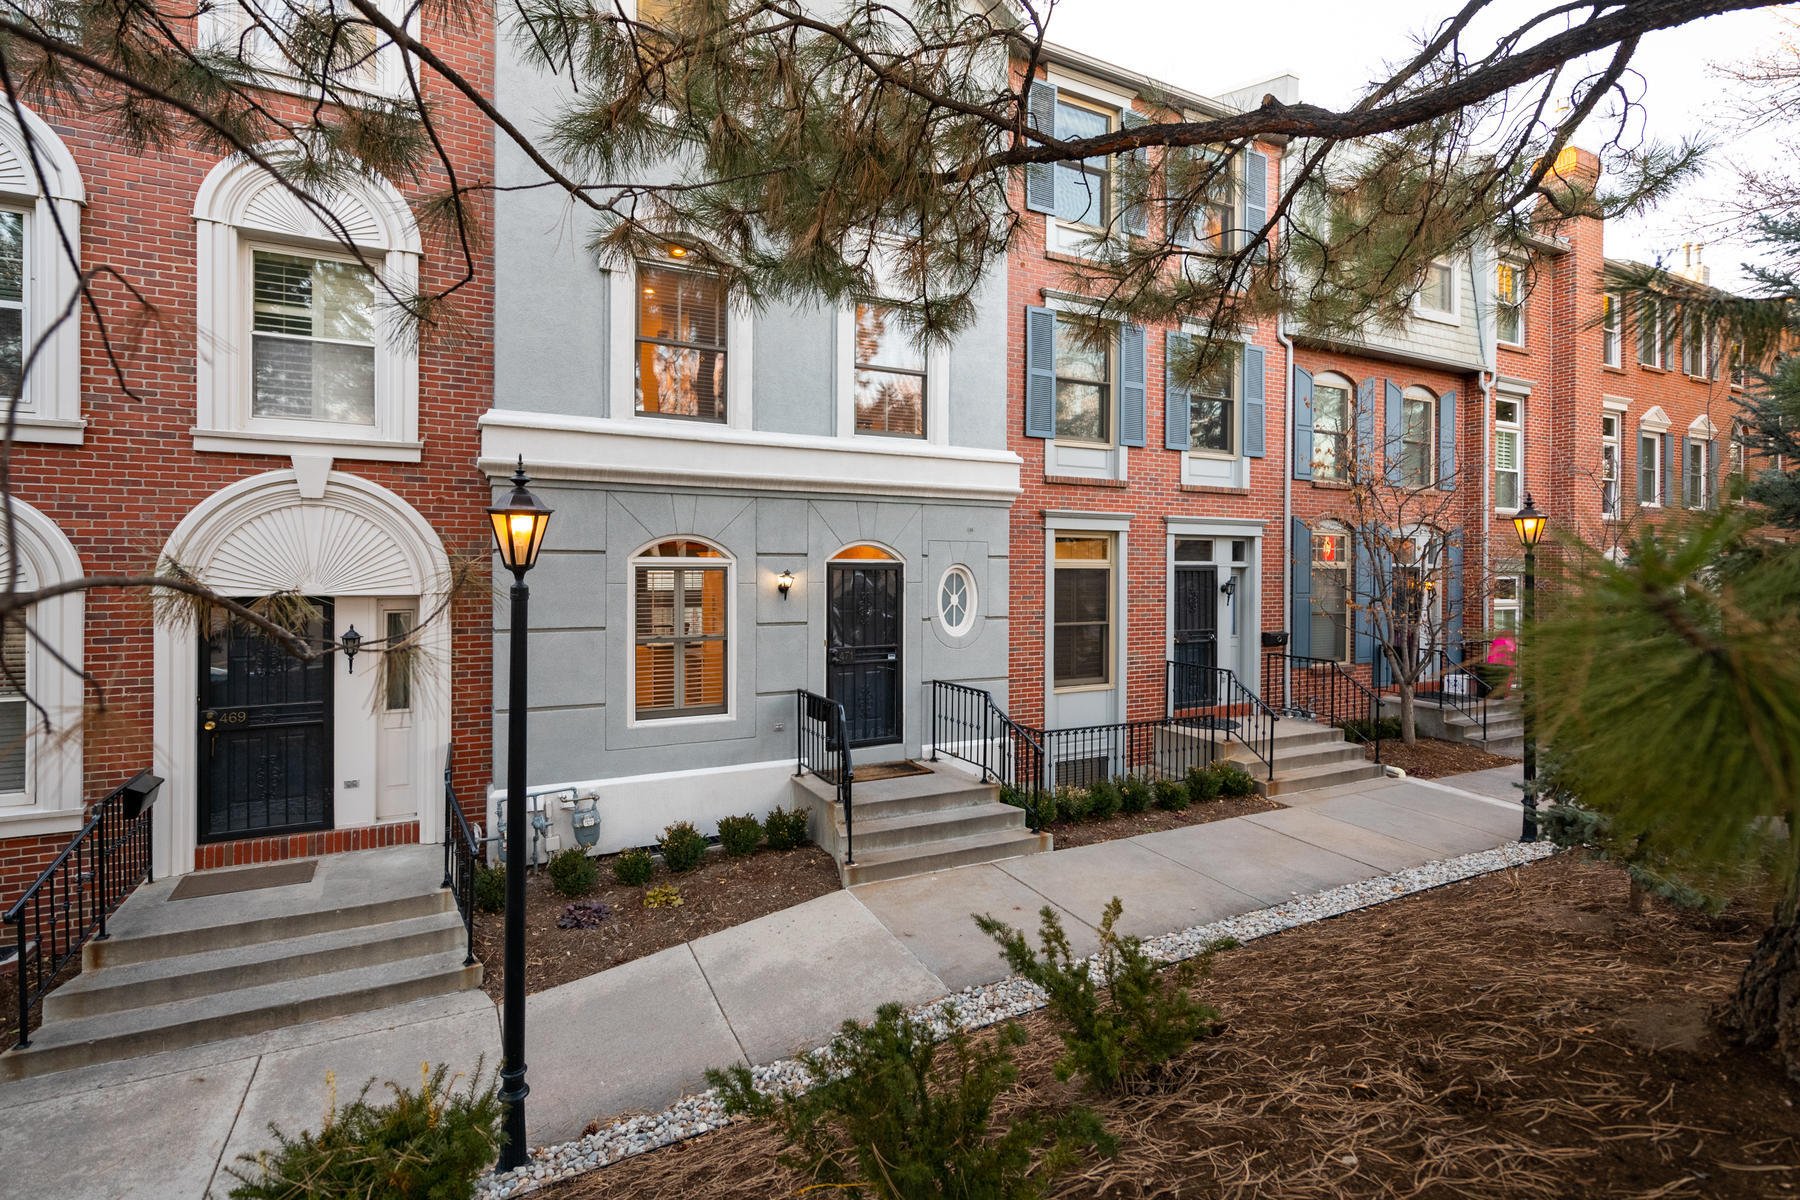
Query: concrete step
[106,1037]
[1311,756]
[180,977]
[941,856]
[940,791]
[923,829]
[1308,779]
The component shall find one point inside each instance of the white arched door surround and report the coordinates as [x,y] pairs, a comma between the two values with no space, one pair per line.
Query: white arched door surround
[361,545]
[52,798]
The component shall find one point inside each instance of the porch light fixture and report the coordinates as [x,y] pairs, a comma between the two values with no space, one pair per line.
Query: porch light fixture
[351,641]
[784,583]
[519,525]
[1529,523]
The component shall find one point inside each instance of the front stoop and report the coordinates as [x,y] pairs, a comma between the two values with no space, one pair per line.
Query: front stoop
[1308,757]
[918,823]
[1505,725]
[373,928]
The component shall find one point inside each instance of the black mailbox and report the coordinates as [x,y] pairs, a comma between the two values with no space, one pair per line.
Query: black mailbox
[1275,637]
[138,792]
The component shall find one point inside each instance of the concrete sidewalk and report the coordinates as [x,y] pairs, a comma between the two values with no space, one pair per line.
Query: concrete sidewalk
[639,1036]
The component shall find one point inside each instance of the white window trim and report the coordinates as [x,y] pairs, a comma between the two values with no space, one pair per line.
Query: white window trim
[1334,379]
[1334,528]
[1655,423]
[937,387]
[220,26]
[1516,427]
[1061,237]
[974,595]
[622,359]
[1237,406]
[1705,353]
[1615,409]
[1115,529]
[1442,316]
[240,207]
[1418,392]
[1659,330]
[50,405]
[1617,329]
[1518,269]
[52,799]
[632,563]
[1515,606]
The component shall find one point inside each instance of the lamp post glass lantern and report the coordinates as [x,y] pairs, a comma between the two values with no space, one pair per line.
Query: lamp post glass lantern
[1529,524]
[519,526]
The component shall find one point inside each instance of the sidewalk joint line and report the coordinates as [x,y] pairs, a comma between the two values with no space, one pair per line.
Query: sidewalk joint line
[1512,805]
[718,1004]
[225,1143]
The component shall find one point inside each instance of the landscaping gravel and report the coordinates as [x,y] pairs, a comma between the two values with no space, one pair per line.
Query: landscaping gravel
[976,1007]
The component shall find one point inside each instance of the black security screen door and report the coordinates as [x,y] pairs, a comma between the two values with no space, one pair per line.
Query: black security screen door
[1196,633]
[265,733]
[863,649]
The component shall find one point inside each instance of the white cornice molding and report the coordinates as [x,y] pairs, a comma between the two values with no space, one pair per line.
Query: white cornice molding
[685,454]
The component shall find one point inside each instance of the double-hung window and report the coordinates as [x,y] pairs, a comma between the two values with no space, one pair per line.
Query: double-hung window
[1609,466]
[1083,612]
[680,595]
[1651,334]
[12,302]
[1084,188]
[1612,331]
[1437,292]
[1418,423]
[1213,405]
[1696,474]
[1330,595]
[1650,468]
[1084,388]
[312,339]
[1332,417]
[1506,604]
[888,374]
[15,716]
[680,343]
[1509,453]
[1696,349]
[1509,303]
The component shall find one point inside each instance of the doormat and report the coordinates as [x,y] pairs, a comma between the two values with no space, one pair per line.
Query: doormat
[893,770]
[223,883]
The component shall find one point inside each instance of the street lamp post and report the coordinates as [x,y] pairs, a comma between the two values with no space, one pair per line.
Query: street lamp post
[1529,523]
[519,526]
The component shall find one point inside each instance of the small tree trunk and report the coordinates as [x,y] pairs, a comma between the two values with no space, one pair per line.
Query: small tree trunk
[1764,1012]
[1409,732]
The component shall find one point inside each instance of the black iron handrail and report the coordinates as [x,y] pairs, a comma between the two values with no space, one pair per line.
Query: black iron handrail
[462,854]
[822,746]
[68,904]
[1473,705]
[1321,689]
[1215,699]
[966,724]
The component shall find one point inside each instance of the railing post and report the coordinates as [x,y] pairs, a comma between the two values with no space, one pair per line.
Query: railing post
[24,987]
[935,729]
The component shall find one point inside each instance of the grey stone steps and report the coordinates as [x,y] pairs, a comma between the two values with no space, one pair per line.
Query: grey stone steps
[104,1037]
[127,947]
[937,792]
[940,856]
[1317,755]
[184,976]
[1306,779]
[917,829]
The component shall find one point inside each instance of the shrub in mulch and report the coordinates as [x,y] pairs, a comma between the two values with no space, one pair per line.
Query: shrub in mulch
[572,872]
[785,828]
[583,915]
[740,836]
[490,889]
[683,847]
[633,868]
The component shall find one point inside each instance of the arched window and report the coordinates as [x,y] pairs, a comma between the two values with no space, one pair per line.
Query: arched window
[294,343]
[681,630]
[40,751]
[865,553]
[39,187]
[1414,442]
[1334,420]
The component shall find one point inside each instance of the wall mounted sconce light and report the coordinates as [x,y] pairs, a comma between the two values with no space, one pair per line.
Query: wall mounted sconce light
[1229,587]
[784,582]
[351,641]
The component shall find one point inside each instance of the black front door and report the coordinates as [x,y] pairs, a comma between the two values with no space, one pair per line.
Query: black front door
[863,649]
[265,732]
[1196,603]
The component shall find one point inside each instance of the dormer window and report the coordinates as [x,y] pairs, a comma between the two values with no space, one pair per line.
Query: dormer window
[1436,298]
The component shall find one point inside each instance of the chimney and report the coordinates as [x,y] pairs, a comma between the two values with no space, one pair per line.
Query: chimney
[1692,268]
[1575,170]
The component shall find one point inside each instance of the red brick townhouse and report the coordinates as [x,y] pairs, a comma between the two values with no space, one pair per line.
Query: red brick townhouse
[1148,527]
[277,437]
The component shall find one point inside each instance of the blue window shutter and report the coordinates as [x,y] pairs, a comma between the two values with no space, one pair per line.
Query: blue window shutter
[1362,590]
[1302,400]
[1687,480]
[1178,429]
[1256,407]
[1180,232]
[1668,466]
[1134,209]
[1637,461]
[1712,474]
[1365,430]
[1390,435]
[1446,463]
[1453,594]
[1132,373]
[1040,373]
[1256,198]
[1040,178]
[1300,574]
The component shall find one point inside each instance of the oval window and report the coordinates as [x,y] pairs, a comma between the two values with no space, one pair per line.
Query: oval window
[956,600]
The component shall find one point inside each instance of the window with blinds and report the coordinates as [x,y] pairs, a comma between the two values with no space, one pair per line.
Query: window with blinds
[1506,454]
[312,340]
[680,639]
[12,302]
[889,374]
[1082,612]
[680,343]
[13,715]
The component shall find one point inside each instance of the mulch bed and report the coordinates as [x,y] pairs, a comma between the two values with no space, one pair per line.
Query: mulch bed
[716,895]
[1068,834]
[1518,1035]
[1431,758]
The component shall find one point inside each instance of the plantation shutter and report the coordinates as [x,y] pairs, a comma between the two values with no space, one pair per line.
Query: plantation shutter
[1644,483]
[1453,595]
[1300,576]
[1132,373]
[1177,424]
[1040,178]
[1256,408]
[1668,466]
[1256,199]
[1393,432]
[1712,473]
[1365,428]
[14,723]
[1446,448]
[1040,373]
[1383,673]
[1688,482]
[1134,203]
[1301,450]
[1362,573]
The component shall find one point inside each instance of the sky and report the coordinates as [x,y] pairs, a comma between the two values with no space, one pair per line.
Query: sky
[1337,47]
